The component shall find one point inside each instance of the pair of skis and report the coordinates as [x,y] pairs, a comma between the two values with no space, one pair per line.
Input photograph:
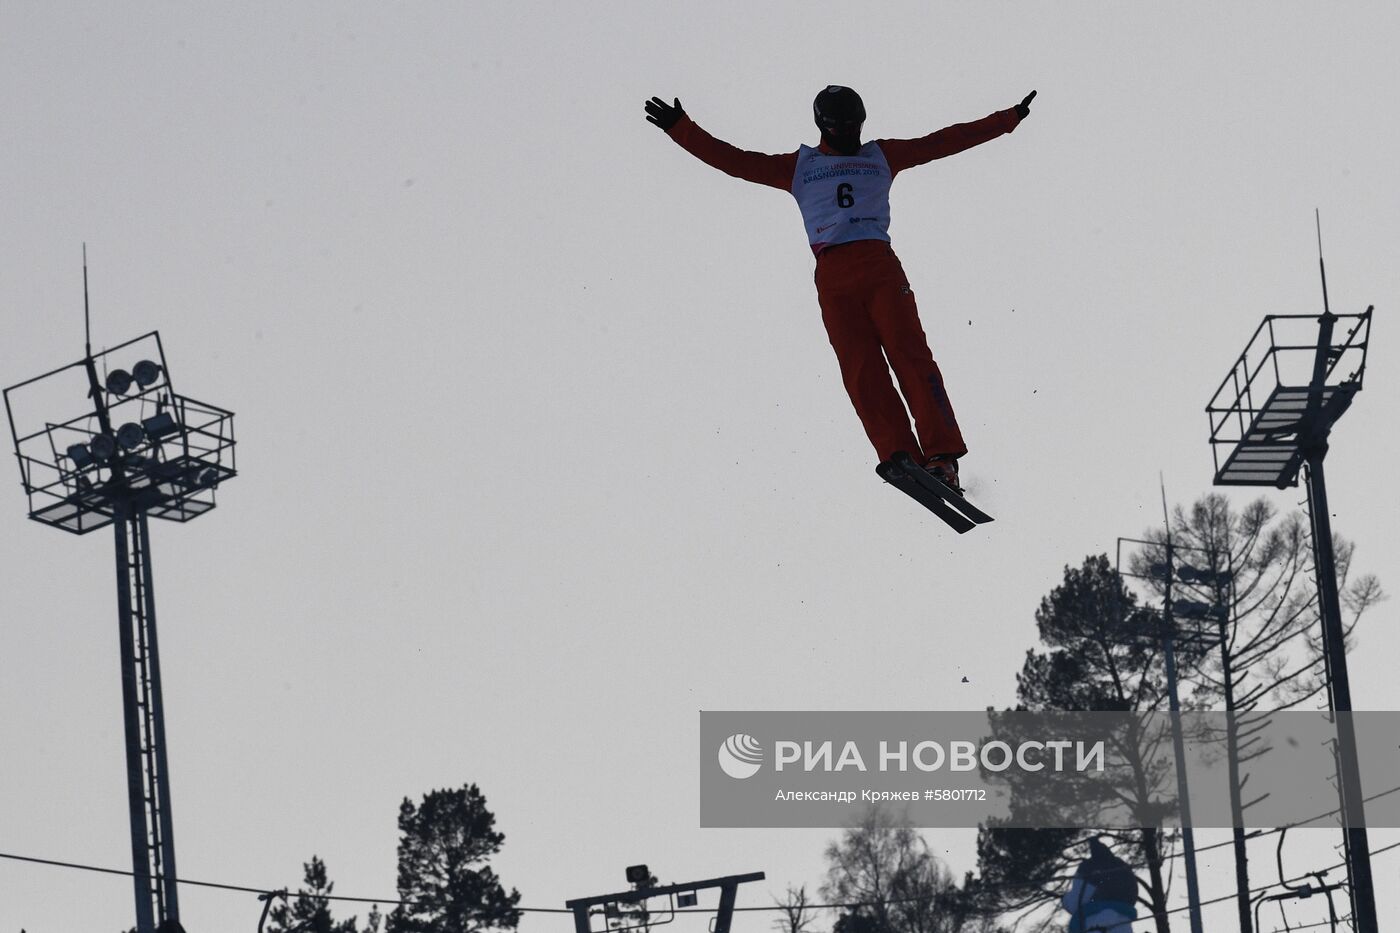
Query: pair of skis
[901,472]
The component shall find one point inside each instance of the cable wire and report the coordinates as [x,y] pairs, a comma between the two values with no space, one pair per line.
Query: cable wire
[564,910]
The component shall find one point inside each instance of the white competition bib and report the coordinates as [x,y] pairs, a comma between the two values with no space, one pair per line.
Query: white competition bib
[843,198]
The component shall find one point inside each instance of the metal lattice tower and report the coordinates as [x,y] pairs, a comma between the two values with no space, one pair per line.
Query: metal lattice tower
[165,458]
[1271,418]
[1283,395]
[1179,620]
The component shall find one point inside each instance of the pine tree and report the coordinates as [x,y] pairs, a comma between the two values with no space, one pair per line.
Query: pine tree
[1088,665]
[309,911]
[445,882]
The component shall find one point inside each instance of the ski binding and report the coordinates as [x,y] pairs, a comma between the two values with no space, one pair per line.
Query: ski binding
[901,472]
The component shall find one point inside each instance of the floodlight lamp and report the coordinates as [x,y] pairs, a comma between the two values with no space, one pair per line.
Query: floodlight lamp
[145,373]
[1192,609]
[638,874]
[159,425]
[209,478]
[1188,574]
[119,382]
[1161,571]
[80,456]
[130,435]
[686,899]
[103,447]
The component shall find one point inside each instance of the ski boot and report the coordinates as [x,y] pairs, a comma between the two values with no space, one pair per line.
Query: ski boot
[945,469]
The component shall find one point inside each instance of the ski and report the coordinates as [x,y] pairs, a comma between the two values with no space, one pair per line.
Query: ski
[901,479]
[941,489]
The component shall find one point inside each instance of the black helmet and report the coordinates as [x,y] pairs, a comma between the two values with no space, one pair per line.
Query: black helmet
[837,105]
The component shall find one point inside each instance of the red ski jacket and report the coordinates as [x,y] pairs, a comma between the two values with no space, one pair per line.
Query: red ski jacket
[832,220]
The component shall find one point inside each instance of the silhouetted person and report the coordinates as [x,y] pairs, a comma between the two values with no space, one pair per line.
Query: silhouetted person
[1102,895]
[842,187]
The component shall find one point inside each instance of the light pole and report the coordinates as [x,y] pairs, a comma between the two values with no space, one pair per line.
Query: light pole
[1270,419]
[136,451]
[1162,573]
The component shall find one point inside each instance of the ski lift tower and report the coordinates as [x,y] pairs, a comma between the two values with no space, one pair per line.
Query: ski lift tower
[135,450]
[1269,420]
[614,907]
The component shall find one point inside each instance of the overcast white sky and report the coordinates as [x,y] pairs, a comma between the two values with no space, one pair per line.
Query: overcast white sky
[543,448]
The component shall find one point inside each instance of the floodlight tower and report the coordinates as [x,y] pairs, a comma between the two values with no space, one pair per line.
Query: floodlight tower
[138,451]
[1160,563]
[1272,416]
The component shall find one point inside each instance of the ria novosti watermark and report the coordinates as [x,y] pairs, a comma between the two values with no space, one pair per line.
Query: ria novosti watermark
[741,756]
[1020,769]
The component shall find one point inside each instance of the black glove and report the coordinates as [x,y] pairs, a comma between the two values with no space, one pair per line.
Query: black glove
[1023,109]
[663,114]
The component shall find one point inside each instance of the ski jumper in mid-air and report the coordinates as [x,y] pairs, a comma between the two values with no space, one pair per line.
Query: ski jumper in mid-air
[842,187]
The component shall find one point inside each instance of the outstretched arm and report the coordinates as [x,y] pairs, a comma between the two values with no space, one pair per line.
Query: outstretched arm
[907,153]
[760,168]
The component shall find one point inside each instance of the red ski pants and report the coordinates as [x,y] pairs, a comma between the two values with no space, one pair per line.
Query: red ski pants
[870,317]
